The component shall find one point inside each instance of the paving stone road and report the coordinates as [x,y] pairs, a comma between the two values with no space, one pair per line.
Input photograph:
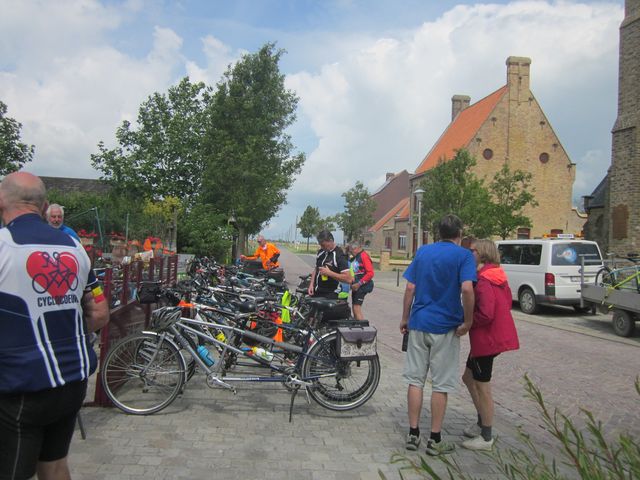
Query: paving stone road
[212,434]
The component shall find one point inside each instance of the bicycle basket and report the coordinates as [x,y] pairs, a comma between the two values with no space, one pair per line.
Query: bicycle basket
[163,318]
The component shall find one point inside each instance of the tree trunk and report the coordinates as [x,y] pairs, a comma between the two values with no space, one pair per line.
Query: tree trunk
[242,241]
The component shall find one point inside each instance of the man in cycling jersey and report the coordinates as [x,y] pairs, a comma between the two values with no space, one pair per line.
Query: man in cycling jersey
[363,273]
[50,303]
[332,267]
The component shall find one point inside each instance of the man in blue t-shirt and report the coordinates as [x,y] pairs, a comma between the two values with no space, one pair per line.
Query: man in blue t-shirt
[437,311]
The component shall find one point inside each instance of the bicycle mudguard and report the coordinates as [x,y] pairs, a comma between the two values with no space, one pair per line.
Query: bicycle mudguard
[356,343]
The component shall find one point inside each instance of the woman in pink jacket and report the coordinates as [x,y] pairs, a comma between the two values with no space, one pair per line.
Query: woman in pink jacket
[493,332]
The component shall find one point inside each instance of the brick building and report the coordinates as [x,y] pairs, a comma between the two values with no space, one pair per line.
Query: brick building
[614,206]
[507,126]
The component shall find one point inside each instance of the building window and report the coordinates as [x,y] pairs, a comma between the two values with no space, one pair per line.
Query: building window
[524,233]
[387,243]
[487,154]
[544,157]
[402,241]
[556,231]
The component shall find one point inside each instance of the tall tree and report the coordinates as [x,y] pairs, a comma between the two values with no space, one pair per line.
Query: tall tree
[450,187]
[13,153]
[161,155]
[309,223]
[511,192]
[250,159]
[358,211]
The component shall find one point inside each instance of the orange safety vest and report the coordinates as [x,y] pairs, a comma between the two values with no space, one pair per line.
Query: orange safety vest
[265,254]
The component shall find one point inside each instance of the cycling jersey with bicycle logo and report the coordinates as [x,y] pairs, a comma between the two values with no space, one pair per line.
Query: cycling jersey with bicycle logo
[43,275]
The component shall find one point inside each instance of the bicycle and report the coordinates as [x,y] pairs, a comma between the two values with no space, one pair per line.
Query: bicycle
[145,372]
[623,277]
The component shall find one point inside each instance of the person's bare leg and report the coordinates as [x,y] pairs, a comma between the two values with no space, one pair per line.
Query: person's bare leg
[55,470]
[414,402]
[438,409]
[467,379]
[485,401]
[357,312]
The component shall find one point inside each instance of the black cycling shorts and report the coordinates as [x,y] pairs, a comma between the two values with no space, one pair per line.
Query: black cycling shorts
[357,296]
[481,367]
[37,426]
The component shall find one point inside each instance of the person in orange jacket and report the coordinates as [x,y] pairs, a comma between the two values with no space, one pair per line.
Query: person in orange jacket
[266,252]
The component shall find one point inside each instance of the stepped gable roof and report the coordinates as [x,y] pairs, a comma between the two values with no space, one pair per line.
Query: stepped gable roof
[399,208]
[461,130]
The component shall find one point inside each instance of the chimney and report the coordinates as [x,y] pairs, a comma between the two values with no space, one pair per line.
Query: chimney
[518,76]
[459,103]
[389,176]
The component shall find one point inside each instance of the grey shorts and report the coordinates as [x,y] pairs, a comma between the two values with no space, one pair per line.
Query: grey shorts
[438,353]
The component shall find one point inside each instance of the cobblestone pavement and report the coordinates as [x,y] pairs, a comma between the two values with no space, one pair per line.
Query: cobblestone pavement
[213,434]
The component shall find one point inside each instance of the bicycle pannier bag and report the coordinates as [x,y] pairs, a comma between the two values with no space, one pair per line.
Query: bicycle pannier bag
[357,343]
[149,292]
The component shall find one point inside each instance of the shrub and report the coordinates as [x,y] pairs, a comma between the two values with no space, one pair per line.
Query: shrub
[587,454]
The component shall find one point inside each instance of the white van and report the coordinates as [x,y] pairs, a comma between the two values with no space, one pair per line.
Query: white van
[547,271]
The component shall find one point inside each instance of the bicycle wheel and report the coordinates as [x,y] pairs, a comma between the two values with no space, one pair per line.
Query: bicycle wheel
[142,376]
[604,278]
[341,384]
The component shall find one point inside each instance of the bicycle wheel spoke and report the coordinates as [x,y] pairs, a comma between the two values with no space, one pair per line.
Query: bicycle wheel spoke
[141,376]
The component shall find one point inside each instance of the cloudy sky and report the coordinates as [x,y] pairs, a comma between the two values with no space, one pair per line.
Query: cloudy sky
[374,77]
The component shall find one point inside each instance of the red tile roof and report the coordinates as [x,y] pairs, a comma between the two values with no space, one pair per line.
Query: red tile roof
[461,131]
[400,208]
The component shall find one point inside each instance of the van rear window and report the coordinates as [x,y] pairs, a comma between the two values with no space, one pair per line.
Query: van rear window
[520,254]
[570,254]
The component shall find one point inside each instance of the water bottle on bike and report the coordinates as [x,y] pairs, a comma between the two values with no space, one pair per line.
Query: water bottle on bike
[205,355]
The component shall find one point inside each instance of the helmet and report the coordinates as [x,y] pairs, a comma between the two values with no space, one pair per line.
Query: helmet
[163,318]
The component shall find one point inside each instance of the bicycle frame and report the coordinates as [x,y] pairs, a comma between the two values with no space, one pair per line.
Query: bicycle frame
[212,372]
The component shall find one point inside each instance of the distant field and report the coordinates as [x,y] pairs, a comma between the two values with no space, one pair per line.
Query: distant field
[300,247]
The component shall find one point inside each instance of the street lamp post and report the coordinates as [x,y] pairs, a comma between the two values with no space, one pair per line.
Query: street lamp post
[418,193]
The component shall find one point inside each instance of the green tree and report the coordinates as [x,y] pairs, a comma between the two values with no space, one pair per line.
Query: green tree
[450,187]
[250,159]
[161,156]
[358,211]
[511,193]
[203,233]
[309,223]
[13,153]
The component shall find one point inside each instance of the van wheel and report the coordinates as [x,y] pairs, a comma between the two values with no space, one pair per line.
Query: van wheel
[528,303]
[623,323]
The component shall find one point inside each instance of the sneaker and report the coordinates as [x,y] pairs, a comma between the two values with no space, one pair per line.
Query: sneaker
[439,448]
[472,431]
[478,443]
[413,442]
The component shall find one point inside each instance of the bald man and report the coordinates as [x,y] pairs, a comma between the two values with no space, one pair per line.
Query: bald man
[50,302]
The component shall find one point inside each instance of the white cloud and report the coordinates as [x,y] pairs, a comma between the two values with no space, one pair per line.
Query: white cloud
[380,106]
[218,57]
[372,105]
[70,96]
